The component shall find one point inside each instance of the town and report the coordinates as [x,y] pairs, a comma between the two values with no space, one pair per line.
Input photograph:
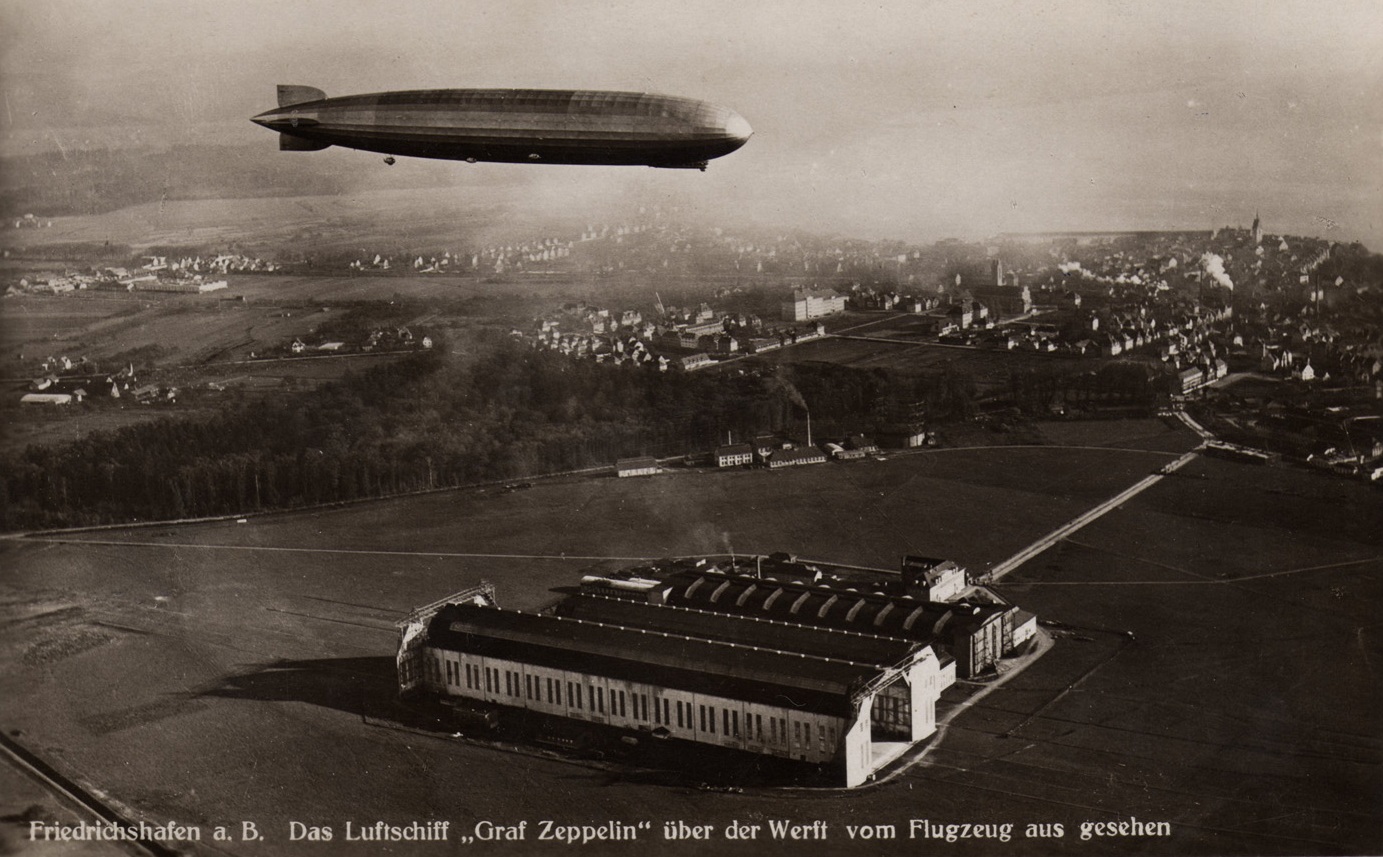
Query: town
[1266,341]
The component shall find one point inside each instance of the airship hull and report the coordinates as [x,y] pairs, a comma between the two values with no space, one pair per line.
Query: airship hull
[514,126]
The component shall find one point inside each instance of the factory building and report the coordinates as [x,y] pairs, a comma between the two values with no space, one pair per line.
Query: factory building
[807,304]
[850,700]
[976,633]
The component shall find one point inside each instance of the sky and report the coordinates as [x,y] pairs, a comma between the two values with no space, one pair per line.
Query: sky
[898,120]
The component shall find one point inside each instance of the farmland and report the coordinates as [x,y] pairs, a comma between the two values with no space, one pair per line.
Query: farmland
[219,671]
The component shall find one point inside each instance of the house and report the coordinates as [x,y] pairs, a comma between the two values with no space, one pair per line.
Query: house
[961,316]
[933,580]
[862,444]
[695,361]
[642,466]
[764,445]
[759,344]
[734,455]
[1188,380]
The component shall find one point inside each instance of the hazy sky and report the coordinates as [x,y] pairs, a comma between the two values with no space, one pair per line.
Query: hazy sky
[895,120]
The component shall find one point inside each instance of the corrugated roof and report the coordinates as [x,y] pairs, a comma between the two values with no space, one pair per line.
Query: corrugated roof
[824,604]
[748,630]
[700,665]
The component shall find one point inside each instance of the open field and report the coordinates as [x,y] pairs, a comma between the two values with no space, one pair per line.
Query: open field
[218,672]
[192,341]
[990,367]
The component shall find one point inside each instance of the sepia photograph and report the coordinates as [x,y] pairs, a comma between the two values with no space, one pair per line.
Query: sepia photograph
[704,428]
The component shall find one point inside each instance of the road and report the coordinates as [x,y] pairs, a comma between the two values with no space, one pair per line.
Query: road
[998,571]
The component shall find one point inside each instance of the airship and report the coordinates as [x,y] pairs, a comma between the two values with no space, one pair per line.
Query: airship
[545,126]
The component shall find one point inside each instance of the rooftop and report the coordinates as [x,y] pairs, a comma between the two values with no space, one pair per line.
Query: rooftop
[734,670]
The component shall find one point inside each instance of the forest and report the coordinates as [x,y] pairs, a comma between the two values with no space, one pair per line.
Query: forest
[425,422]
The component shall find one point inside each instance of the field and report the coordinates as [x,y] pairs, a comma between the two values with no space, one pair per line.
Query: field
[195,341]
[879,347]
[219,672]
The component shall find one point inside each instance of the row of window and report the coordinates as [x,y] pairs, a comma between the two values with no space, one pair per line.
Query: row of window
[523,686]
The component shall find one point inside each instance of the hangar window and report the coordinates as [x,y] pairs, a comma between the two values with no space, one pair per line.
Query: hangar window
[666,718]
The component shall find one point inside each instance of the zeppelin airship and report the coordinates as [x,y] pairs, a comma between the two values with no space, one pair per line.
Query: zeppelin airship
[544,126]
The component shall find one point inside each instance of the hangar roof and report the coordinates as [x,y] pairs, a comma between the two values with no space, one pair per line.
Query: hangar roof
[825,605]
[718,667]
[748,630]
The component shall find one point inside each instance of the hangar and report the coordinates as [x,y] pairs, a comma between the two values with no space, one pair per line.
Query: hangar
[851,701]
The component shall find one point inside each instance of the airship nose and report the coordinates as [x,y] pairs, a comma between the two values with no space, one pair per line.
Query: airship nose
[738,128]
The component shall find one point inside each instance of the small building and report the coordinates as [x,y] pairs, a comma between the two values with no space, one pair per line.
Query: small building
[905,437]
[861,444]
[642,466]
[933,580]
[695,361]
[764,446]
[1188,380]
[842,453]
[734,455]
[1024,626]
[46,399]
[795,457]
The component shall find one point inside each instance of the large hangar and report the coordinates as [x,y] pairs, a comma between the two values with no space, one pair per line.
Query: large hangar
[851,701]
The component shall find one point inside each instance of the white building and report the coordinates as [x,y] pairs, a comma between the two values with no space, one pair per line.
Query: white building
[807,304]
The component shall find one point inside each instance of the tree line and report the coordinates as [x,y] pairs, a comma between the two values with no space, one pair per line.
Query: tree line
[428,421]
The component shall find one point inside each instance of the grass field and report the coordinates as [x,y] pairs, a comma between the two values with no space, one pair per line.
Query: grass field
[990,367]
[191,341]
[220,671]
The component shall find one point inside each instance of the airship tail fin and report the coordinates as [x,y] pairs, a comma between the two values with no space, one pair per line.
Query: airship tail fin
[290,94]
[289,143]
